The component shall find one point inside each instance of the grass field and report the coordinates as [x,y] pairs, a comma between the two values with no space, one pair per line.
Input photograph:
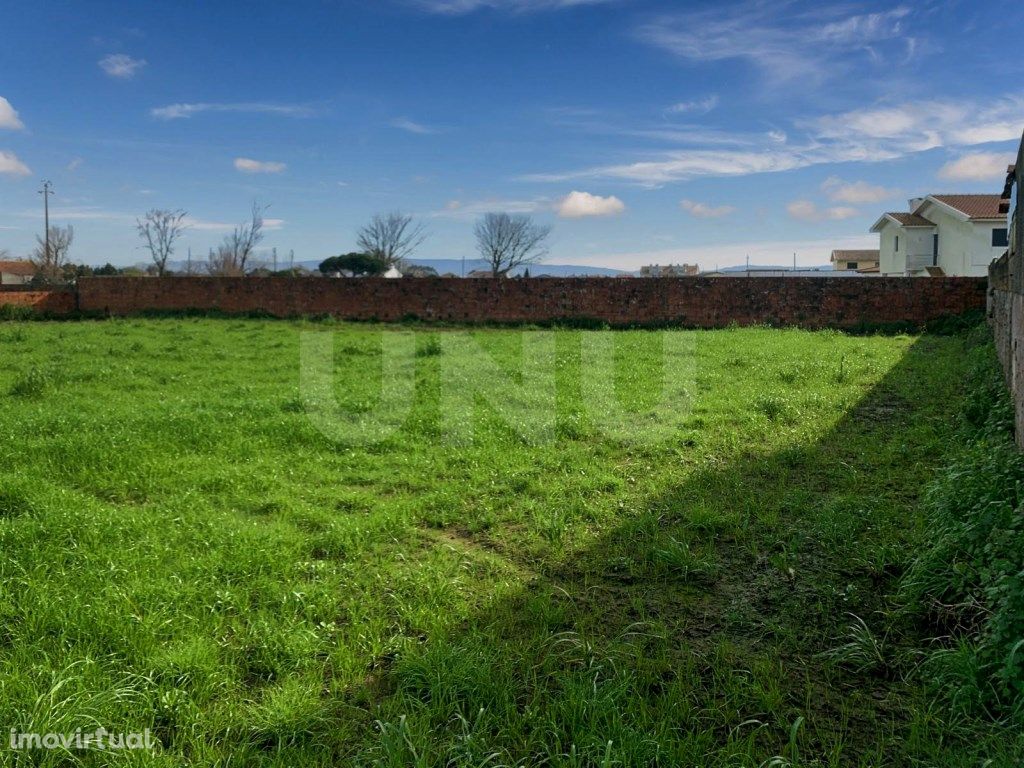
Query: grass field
[183,549]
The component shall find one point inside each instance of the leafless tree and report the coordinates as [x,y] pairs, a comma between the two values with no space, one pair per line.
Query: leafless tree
[49,262]
[223,262]
[391,237]
[159,229]
[233,254]
[506,242]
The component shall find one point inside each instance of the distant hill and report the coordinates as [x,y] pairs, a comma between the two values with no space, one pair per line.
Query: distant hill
[743,267]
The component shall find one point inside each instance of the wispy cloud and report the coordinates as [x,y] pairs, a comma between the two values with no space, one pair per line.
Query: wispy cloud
[460,7]
[121,65]
[411,126]
[696,106]
[80,213]
[459,209]
[705,211]
[185,111]
[248,165]
[9,116]
[10,165]
[783,44]
[979,166]
[920,125]
[870,134]
[855,192]
[581,205]
[74,164]
[805,210]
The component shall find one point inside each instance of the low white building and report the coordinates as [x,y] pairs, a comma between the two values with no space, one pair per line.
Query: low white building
[16,272]
[942,234]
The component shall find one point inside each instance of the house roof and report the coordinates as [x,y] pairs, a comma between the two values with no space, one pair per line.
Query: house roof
[903,219]
[24,268]
[855,255]
[973,206]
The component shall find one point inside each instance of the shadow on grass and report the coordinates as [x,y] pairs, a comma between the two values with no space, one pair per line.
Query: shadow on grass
[740,616]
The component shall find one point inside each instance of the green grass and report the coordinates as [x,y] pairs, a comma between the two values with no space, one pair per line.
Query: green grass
[182,549]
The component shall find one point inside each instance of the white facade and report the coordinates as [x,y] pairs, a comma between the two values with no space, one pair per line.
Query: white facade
[935,233]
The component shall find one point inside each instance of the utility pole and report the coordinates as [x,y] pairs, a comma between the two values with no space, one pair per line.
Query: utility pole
[188,268]
[275,258]
[291,259]
[46,191]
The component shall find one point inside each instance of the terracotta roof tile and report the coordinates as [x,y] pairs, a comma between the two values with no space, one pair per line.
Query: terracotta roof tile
[974,206]
[910,219]
[25,268]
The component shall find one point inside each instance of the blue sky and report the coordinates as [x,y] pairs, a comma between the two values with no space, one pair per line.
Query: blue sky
[644,132]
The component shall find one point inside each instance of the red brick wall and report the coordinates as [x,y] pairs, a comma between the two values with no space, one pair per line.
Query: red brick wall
[53,302]
[706,302]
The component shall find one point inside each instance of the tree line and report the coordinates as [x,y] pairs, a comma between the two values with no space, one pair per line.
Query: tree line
[505,242]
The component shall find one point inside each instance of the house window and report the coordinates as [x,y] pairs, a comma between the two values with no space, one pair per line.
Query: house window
[851,265]
[935,250]
[999,239]
[897,243]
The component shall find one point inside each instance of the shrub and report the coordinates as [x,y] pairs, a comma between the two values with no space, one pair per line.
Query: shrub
[16,312]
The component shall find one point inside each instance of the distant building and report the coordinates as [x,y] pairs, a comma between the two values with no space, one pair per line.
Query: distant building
[855,261]
[943,235]
[670,270]
[16,272]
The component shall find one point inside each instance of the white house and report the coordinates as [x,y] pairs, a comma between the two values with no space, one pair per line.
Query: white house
[942,234]
[16,272]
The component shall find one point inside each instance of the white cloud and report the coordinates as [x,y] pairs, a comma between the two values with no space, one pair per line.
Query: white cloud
[10,165]
[579,205]
[855,192]
[978,166]
[411,126]
[872,134]
[705,211]
[9,116]
[75,164]
[457,209]
[185,111]
[121,65]
[922,125]
[682,165]
[459,7]
[248,165]
[698,106]
[805,210]
[784,45]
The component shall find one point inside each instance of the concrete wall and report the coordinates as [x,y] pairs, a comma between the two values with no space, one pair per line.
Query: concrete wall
[1006,316]
[704,302]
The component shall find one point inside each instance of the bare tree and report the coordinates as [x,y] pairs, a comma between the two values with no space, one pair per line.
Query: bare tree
[506,242]
[391,238]
[49,262]
[223,263]
[234,253]
[159,229]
